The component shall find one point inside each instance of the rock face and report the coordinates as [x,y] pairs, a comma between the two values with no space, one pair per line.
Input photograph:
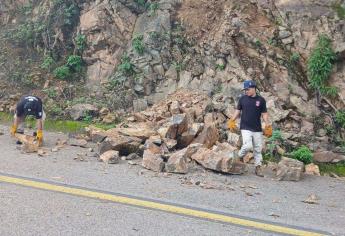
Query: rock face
[108,26]
[290,169]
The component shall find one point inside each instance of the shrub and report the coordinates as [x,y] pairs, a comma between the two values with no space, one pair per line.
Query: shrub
[340,10]
[340,118]
[153,7]
[320,66]
[294,58]
[75,63]
[273,141]
[80,41]
[126,67]
[141,3]
[220,67]
[62,72]
[302,154]
[138,44]
[47,63]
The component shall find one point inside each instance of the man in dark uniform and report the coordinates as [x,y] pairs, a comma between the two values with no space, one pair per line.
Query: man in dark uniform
[251,107]
[29,105]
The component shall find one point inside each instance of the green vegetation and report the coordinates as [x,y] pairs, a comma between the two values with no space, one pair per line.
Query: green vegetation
[338,168]
[141,3]
[340,118]
[339,9]
[74,63]
[320,66]
[66,126]
[302,154]
[273,142]
[220,67]
[258,43]
[80,42]
[47,63]
[153,7]
[294,58]
[50,92]
[179,66]
[62,72]
[138,45]
[126,67]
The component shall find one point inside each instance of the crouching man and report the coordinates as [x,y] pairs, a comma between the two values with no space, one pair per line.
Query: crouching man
[29,105]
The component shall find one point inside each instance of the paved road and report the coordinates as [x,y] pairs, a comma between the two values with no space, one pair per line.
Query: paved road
[30,211]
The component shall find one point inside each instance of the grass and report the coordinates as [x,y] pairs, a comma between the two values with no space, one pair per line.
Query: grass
[65,126]
[338,168]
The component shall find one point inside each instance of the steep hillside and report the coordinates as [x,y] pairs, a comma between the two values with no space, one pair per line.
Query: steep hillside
[126,55]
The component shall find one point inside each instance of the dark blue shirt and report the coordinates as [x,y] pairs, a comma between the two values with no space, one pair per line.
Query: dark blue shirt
[251,109]
[30,105]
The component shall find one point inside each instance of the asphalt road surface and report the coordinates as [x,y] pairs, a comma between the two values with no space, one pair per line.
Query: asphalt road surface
[69,192]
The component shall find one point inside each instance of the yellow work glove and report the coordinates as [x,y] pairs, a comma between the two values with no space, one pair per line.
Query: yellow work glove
[39,137]
[268,131]
[232,125]
[13,130]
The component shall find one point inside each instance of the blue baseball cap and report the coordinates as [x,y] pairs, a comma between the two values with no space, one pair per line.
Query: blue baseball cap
[249,84]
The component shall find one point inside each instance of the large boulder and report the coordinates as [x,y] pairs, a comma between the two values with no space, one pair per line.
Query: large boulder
[178,161]
[290,169]
[153,161]
[96,135]
[208,137]
[176,126]
[80,111]
[219,160]
[124,144]
[188,136]
[328,156]
[138,130]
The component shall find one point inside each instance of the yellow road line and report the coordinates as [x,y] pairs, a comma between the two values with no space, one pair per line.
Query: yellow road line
[158,206]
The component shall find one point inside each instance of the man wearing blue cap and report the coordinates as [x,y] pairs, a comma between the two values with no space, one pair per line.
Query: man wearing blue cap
[29,105]
[251,107]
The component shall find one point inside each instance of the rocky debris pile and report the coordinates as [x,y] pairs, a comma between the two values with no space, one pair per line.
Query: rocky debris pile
[188,129]
[173,136]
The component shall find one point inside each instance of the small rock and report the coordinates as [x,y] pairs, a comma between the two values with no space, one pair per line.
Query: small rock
[132,156]
[274,215]
[312,169]
[41,152]
[132,163]
[311,199]
[110,157]
[77,142]
[55,149]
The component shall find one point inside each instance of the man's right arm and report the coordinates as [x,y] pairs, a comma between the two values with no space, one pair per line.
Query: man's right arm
[236,115]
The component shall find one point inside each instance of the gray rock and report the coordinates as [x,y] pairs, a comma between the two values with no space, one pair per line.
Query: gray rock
[110,157]
[153,161]
[290,169]
[80,111]
[140,104]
